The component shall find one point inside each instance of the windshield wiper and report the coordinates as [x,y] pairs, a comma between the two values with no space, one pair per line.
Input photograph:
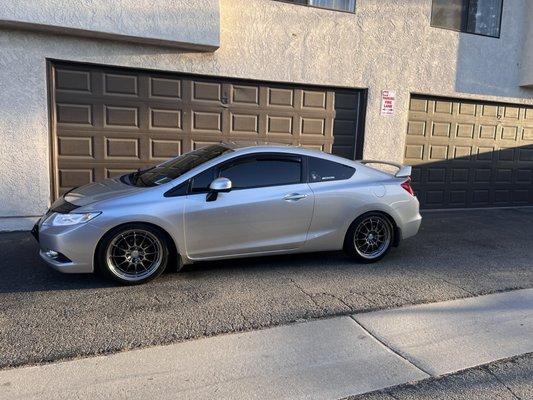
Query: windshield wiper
[136,176]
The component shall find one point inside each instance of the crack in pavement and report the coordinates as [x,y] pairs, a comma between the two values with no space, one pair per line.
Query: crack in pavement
[304,292]
[340,300]
[453,284]
[387,296]
[390,348]
[313,297]
[487,368]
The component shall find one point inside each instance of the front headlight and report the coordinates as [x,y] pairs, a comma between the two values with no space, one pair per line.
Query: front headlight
[56,219]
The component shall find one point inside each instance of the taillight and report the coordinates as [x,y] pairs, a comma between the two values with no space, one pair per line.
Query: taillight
[407,186]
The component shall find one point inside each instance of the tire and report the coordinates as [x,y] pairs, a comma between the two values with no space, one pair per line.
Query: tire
[369,237]
[132,254]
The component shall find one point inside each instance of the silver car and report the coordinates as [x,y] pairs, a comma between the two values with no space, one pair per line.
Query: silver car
[227,201]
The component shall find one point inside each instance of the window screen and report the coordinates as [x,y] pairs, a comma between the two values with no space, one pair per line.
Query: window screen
[482,17]
[339,5]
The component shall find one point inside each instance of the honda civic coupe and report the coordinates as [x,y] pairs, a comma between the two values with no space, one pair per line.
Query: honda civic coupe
[227,201]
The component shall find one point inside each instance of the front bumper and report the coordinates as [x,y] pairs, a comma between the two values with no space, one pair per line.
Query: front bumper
[76,244]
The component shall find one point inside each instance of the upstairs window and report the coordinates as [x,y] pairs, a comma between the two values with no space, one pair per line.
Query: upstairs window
[481,17]
[338,5]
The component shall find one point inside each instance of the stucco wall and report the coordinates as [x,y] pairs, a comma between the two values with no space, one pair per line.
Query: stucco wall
[386,44]
[183,23]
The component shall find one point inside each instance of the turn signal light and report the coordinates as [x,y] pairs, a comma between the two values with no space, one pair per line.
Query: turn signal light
[407,186]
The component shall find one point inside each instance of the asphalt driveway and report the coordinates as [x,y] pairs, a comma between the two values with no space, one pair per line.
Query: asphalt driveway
[45,316]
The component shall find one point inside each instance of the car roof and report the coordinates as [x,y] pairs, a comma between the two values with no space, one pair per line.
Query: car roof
[243,147]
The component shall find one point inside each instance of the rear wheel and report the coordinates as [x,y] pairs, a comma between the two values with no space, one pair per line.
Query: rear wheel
[370,237]
[133,253]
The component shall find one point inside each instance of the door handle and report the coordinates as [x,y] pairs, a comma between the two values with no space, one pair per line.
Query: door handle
[294,197]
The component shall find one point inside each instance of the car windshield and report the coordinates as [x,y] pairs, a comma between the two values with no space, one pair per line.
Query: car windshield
[176,167]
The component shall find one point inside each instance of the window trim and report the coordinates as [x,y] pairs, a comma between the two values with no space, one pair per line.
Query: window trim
[254,156]
[464,30]
[306,4]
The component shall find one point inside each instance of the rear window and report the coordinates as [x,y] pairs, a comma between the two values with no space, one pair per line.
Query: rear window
[325,170]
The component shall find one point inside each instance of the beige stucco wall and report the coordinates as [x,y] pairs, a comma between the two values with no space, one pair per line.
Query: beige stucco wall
[386,44]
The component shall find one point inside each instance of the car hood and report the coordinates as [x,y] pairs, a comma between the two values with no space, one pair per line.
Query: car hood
[99,191]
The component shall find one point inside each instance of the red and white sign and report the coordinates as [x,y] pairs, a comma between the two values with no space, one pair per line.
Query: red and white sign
[388,98]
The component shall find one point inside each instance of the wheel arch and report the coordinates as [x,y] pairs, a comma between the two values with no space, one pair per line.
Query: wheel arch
[396,229]
[173,250]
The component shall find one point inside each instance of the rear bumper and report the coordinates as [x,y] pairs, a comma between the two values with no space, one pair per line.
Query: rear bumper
[410,228]
[75,244]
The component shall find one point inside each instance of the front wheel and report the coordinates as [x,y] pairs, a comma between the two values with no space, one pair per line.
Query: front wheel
[133,254]
[369,238]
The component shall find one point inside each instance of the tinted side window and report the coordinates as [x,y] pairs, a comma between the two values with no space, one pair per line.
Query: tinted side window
[200,183]
[325,170]
[180,190]
[263,172]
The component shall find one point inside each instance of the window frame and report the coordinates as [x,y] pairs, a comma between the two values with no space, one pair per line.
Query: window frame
[306,3]
[300,158]
[464,28]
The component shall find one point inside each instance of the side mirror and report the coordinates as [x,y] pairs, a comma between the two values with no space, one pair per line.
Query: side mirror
[219,185]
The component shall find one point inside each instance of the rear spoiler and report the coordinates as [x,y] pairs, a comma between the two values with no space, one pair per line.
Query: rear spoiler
[404,171]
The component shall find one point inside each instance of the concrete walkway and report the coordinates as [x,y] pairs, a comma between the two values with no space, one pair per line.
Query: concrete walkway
[323,359]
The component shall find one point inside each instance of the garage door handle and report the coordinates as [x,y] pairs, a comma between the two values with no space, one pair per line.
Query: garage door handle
[294,197]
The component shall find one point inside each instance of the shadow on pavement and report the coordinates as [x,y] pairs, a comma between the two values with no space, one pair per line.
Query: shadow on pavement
[22,269]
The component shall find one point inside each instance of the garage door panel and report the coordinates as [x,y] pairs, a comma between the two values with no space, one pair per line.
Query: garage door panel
[73,80]
[441,129]
[443,107]
[72,177]
[468,154]
[163,149]
[119,116]
[121,84]
[244,123]
[123,148]
[161,118]
[165,88]
[527,134]
[416,128]
[72,146]
[242,94]
[74,114]
[314,99]
[467,109]
[280,97]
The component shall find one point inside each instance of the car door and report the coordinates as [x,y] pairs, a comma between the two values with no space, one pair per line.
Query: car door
[337,198]
[269,208]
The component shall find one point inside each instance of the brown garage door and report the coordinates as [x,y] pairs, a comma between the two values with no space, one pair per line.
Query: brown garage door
[109,121]
[470,154]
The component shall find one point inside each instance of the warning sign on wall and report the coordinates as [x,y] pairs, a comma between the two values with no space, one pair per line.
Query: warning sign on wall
[388,97]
